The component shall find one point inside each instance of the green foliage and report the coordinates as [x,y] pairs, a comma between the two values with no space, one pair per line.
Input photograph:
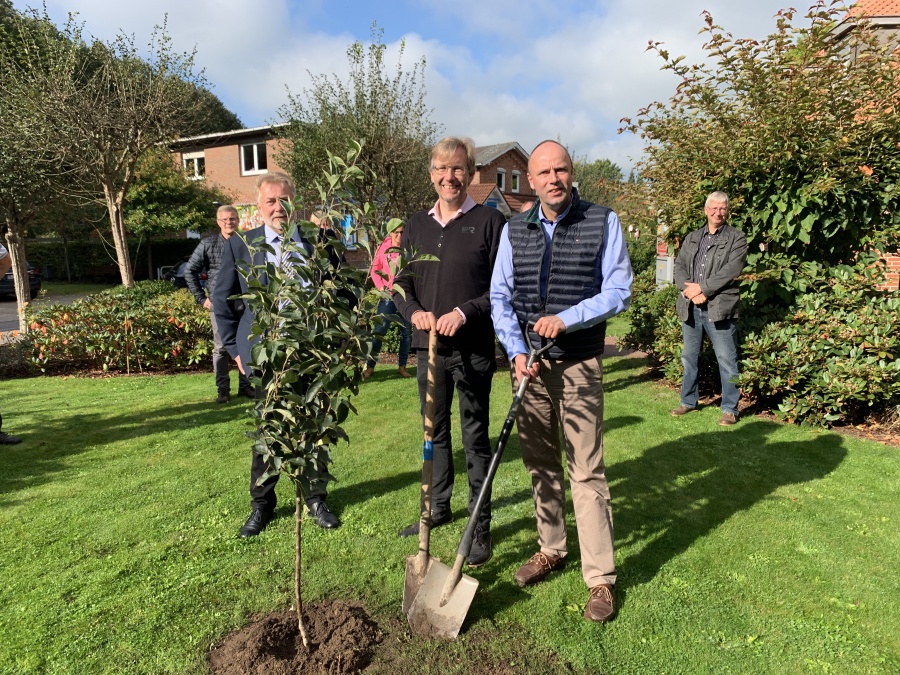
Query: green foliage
[163,199]
[833,357]
[93,109]
[800,129]
[210,114]
[597,180]
[385,111]
[314,326]
[390,343]
[654,327]
[148,327]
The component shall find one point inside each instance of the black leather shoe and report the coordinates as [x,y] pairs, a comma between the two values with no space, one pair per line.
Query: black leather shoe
[249,392]
[438,518]
[256,523]
[8,439]
[482,547]
[223,397]
[323,515]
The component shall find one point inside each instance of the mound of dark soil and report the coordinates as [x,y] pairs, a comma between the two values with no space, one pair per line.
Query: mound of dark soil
[342,640]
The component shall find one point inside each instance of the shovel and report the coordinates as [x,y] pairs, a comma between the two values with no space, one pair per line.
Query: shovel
[417,566]
[441,605]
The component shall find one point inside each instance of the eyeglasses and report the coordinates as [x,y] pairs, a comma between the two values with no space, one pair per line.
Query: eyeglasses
[717,209]
[458,171]
[228,220]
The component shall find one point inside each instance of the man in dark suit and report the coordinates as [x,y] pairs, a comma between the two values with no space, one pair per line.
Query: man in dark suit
[235,321]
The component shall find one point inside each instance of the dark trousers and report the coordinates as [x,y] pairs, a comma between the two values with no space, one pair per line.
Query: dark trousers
[471,375]
[263,496]
[222,361]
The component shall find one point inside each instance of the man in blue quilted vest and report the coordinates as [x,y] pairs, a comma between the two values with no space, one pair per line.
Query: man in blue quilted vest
[562,270]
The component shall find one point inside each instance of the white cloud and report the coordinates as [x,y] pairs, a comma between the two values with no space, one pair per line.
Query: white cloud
[496,71]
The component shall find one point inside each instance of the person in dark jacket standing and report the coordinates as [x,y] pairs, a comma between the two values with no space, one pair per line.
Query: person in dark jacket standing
[451,296]
[206,258]
[706,271]
[235,322]
[562,270]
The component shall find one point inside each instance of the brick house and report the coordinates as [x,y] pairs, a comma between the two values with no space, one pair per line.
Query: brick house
[884,15]
[233,160]
[500,178]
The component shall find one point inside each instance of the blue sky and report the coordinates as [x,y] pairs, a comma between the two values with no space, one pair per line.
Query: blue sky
[496,70]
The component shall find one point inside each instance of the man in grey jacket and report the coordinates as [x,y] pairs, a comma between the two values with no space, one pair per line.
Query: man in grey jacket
[706,271]
[206,258]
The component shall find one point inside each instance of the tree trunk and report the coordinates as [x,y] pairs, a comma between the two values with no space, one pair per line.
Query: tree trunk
[66,257]
[117,224]
[16,247]
[298,514]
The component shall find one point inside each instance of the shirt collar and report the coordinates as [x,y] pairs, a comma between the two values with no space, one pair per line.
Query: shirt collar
[547,221]
[467,206]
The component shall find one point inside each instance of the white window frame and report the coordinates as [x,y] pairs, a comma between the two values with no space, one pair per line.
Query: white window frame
[254,171]
[501,179]
[515,182]
[189,164]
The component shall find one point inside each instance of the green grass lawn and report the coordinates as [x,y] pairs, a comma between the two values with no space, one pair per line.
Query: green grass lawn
[54,289]
[760,548]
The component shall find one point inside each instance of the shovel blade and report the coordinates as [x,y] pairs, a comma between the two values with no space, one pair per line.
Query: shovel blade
[426,615]
[415,577]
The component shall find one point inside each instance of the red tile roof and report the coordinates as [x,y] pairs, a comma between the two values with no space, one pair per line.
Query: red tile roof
[876,8]
[481,191]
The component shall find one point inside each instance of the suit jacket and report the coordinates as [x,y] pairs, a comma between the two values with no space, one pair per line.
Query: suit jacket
[233,318]
[721,287]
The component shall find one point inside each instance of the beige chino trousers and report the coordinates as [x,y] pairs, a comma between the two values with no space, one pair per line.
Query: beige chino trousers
[569,393]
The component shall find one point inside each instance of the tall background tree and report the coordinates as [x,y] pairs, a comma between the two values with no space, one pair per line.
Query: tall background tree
[385,111]
[27,185]
[94,109]
[801,129]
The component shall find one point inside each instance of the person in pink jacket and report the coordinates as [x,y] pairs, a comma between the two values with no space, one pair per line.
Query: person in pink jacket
[383,277]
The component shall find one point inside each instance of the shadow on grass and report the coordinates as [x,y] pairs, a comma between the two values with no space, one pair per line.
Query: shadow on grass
[672,495]
[50,441]
[679,491]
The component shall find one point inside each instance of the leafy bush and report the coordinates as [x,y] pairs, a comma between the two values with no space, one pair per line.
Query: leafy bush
[829,357]
[649,315]
[833,357]
[152,326]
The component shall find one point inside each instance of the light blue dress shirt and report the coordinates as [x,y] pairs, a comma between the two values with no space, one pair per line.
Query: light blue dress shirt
[614,296]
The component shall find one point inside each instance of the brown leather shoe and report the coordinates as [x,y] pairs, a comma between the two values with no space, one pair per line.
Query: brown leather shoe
[537,568]
[601,605]
[727,420]
[368,372]
[681,410]
[403,372]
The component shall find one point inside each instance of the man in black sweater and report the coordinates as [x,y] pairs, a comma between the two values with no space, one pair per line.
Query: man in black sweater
[452,297]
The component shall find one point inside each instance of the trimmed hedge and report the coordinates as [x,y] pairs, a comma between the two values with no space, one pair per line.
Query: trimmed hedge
[150,327]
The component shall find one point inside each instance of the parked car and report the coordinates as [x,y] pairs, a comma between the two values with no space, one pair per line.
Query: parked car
[175,274]
[8,286]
